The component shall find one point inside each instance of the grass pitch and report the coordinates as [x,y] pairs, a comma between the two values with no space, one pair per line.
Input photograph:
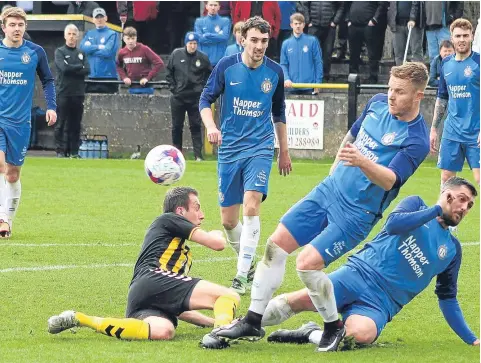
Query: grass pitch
[78,233]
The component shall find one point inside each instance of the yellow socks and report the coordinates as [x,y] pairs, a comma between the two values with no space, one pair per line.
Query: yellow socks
[128,329]
[224,309]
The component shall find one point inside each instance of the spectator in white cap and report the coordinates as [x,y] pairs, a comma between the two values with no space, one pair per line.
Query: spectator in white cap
[101,45]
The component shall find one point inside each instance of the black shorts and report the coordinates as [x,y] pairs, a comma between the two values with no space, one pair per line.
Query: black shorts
[159,293]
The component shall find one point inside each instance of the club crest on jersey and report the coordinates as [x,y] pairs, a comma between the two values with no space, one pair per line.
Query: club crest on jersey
[197,63]
[305,49]
[102,40]
[25,58]
[388,138]
[217,28]
[266,86]
[442,252]
[80,56]
[468,71]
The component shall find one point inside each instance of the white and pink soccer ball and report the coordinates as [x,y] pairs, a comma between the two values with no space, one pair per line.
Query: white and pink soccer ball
[164,165]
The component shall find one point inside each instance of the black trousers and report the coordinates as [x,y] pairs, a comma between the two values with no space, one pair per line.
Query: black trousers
[272,51]
[67,128]
[326,36]
[178,108]
[373,37]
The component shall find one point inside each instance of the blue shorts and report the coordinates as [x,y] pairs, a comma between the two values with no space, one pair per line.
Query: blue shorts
[319,219]
[452,155]
[250,174]
[354,296]
[14,142]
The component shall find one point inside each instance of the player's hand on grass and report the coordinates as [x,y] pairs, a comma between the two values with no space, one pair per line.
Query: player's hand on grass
[51,117]
[351,155]
[433,141]
[284,163]
[476,342]
[214,136]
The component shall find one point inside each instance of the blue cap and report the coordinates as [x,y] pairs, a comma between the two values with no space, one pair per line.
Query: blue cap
[191,37]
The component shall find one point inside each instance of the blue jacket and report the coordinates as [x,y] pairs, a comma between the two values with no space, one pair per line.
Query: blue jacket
[233,49]
[102,61]
[301,59]
[214,32]
[287,9]
[435,71]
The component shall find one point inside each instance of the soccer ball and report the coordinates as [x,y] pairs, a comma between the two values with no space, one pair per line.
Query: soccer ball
[164,165]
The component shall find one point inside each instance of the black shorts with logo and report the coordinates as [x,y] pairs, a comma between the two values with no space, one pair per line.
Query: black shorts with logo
[159,293]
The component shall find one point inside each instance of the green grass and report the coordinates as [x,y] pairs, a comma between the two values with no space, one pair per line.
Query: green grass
[106,205]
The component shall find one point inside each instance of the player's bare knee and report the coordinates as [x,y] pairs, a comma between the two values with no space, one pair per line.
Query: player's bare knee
[229,224]
[363,329]
[162,334]
[12,174]
[160,328]
[309,259]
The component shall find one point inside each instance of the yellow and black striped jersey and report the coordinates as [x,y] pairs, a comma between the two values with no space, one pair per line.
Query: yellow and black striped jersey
[164,245]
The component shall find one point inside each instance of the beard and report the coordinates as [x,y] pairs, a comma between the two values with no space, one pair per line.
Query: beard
[449,221]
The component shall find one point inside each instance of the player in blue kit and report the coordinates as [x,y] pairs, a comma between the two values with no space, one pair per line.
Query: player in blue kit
[20,60]
[413,247]
[251,87]
[458,92]
[382,150]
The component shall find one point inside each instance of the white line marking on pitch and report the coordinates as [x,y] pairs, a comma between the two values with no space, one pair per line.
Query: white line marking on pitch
[94,266]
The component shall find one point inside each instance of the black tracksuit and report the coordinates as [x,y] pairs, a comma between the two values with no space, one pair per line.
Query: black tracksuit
[72,68]
[187,74]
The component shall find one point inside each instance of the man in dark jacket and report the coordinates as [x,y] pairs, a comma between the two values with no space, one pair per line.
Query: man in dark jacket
[187,72]
[324,16]
[82,7]
[402,16]
[367,23]
[72,68]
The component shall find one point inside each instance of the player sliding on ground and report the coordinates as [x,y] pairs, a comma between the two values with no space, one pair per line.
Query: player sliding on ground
[414,246]
[382,150]
[161,291]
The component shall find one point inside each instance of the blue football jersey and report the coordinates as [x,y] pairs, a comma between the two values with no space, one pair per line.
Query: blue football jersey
[381,137]
[404,263]
[459,84]
[18,67]
[251,99]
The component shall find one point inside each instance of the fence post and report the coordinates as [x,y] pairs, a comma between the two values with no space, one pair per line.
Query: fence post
[353,81]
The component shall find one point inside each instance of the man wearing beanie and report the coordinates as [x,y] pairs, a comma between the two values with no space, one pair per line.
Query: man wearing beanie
[213,31]
[187,72]
[137,62]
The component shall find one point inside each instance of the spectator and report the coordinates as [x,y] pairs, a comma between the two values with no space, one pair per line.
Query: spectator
[100,45]
[438,15]
[287,8]
[342,39]
[72,68]
[301,58]
[140,15]
[213,31]
[445,49]
[187,72]
[137,62]
[269,11]
[237,46]
[82,7]
[401,16]
[324,17]
[367,24]
[224,9]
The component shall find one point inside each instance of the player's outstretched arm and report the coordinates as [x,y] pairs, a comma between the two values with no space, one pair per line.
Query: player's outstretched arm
[454,317]
[214,239]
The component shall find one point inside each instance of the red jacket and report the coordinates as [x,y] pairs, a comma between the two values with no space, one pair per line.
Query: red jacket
[140,62]
[270,12]
[142,10]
